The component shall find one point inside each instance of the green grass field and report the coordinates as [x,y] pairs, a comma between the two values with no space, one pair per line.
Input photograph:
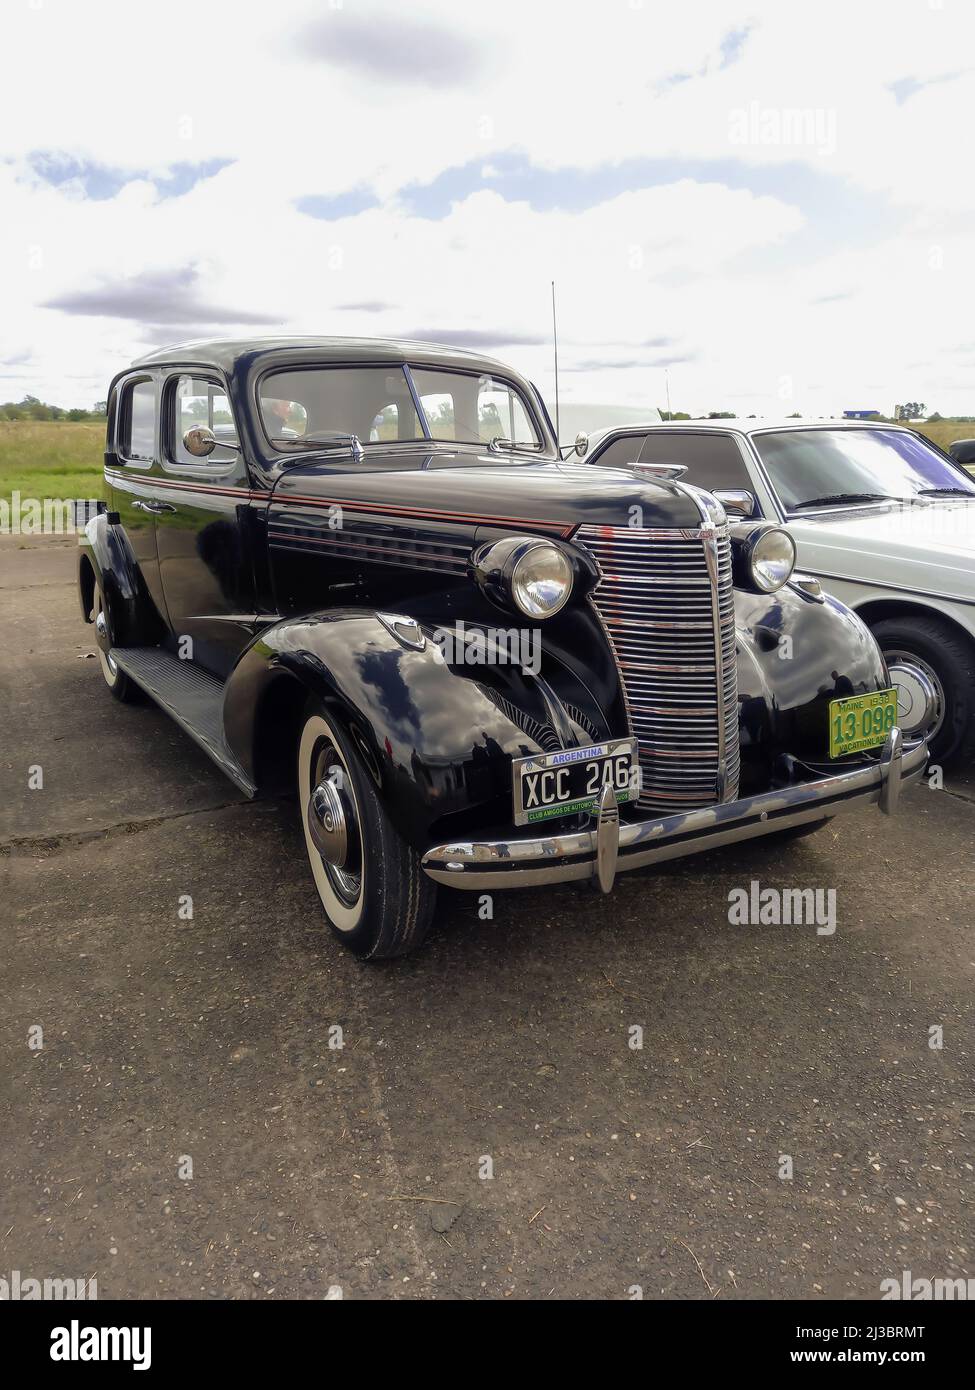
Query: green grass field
[51,458]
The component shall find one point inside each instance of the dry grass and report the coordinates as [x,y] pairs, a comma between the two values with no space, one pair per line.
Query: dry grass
[945,432]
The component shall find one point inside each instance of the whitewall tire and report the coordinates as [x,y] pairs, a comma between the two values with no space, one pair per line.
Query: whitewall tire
[375,896]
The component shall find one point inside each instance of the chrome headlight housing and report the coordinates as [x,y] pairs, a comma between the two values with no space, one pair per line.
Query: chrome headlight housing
[765,557]
[533,577]
[541,580]
[773,559]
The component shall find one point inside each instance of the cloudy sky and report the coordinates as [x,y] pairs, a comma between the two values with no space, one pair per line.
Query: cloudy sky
[769,206]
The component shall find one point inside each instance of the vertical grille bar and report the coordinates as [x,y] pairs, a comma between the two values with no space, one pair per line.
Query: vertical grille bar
[666,602]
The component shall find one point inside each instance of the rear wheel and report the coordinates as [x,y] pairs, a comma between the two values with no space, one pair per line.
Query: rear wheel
[117,681]
[929,655]
[377,899]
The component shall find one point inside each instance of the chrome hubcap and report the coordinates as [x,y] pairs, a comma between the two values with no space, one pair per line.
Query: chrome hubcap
[332,824]
[103,638]
[327,823]
[920,695]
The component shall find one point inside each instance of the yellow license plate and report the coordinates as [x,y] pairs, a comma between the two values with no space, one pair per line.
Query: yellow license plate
[861,721]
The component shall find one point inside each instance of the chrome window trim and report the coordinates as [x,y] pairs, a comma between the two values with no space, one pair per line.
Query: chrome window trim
[547,450]
[417,406]
[533,418]
[122,386]
[167,394]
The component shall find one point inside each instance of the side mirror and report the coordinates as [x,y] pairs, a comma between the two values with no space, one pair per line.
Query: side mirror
[582,443]
[201,442]
[737,501]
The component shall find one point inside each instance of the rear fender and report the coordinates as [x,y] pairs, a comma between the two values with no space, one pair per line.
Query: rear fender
[105,558]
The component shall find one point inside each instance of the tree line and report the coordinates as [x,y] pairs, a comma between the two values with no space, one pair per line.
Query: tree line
[31,408]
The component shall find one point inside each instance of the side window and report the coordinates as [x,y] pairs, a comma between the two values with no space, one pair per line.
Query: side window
[137,426]
[620,452]
[712,460]
[199,401]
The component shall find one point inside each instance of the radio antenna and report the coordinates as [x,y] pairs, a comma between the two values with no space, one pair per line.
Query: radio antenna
[555,342]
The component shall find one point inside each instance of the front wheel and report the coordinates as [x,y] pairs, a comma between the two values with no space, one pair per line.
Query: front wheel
[929,655]
[376,897]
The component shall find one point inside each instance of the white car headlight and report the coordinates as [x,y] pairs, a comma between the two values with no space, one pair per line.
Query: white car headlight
[772,559]
[541,580]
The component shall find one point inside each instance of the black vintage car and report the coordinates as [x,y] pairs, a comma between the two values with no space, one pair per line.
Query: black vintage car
[362,568]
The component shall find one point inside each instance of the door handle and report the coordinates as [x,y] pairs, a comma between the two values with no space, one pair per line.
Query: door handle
[154,507]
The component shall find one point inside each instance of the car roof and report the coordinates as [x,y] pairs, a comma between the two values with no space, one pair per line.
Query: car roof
[748,427]
[224,353]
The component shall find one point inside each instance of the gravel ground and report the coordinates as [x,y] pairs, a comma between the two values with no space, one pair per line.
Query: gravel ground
[207,1045]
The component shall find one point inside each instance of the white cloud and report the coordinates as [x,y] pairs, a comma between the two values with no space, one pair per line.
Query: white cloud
[841,273]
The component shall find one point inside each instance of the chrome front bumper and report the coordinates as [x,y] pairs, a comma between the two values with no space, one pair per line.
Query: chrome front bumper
[611,846]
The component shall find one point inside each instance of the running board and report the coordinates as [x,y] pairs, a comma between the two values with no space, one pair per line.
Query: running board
[189,695]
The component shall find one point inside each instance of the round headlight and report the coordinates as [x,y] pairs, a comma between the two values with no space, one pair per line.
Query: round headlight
[541,581]
[773,559]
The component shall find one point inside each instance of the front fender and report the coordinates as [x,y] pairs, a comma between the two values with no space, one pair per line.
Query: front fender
[133,619]
[433,740]
[795,654]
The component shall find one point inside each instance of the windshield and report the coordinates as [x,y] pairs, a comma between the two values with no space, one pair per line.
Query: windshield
[309,407]
[824,466]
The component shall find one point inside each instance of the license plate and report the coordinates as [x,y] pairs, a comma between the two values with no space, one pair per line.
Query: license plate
[563,783]
[861,721]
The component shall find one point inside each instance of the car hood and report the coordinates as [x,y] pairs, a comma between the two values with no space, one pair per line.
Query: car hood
[926,545]
[487,490]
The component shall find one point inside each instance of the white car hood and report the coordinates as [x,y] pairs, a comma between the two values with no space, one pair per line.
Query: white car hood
[927,545]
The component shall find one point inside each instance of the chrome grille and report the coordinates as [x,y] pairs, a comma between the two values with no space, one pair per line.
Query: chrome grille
[667,604]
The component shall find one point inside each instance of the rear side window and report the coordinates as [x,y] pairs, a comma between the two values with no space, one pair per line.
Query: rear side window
[620,452]
[199,401]
[137,434]
[712,460]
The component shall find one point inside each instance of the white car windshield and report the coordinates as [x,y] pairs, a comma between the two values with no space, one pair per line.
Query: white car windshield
[821,467]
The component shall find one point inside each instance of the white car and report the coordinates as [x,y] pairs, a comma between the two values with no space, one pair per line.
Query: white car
[882,517]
